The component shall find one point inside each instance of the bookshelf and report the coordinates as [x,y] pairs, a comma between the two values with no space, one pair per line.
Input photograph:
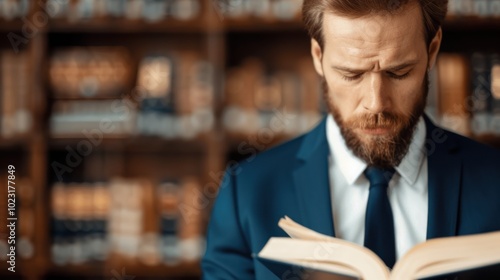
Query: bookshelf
[234,43]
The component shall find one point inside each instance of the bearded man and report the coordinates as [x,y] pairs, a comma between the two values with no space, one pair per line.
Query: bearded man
[376,171]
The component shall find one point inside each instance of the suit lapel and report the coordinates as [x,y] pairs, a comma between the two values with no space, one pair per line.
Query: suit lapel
[311,181]
[444,174]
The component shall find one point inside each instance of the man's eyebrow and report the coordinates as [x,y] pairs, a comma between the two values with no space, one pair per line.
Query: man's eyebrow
[402,66]
[390,69]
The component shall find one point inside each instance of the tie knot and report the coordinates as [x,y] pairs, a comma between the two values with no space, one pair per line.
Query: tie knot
[378,176]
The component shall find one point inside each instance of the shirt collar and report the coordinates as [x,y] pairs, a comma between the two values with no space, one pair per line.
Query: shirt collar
[409,168]
[352,167]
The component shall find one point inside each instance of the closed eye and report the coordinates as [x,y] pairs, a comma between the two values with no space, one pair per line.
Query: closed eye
[398,77]
[351,78]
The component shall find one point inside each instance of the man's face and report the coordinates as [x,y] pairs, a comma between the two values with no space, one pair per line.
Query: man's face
[375,76]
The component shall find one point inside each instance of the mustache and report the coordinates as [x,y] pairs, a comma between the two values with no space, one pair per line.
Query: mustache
[384,120]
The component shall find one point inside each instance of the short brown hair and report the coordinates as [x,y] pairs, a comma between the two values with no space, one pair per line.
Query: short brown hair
[433,11]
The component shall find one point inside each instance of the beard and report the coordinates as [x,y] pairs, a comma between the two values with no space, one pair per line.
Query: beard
[382,151]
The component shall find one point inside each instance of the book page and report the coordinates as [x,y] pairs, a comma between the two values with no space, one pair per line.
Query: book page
[449,254]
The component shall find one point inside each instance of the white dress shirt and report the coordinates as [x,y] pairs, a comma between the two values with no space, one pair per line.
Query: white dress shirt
[407,191]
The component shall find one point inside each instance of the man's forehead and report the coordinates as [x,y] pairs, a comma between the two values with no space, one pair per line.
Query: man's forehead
[377,29]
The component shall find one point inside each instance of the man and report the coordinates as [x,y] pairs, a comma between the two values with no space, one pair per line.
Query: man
[374,57]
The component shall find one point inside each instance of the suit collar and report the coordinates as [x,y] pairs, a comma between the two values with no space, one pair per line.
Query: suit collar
[444,180]
[311,181]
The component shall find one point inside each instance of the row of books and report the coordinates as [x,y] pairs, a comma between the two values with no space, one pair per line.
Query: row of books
[90,72]
[468,96]
[132,219]
[25,230]
[15,108]
[481,8]
[147,10]
[284,101]
[290,9]
[173,96]
[267,9]
[14,9]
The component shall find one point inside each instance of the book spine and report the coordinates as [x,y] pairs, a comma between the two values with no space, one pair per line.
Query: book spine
[494,8]
[291,108]
[191,239]
[481,94]
[100,202]
[201,98]
[495,93]
[26,232]
[155,81]
[310,94]
[169,195]
[453,72]
[125,218]
[9,97]
[23,117]
[268,97]
[432,108]
[60,238]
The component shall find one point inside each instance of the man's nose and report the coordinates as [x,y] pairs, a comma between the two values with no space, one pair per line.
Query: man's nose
[377,98]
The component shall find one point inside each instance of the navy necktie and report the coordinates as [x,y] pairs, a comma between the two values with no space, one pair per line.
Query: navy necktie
[379,223]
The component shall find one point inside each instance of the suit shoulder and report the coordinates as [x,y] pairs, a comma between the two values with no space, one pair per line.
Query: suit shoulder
[274,158]
[476,152]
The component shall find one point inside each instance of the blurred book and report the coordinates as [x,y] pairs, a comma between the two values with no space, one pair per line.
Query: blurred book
[14,9]
[20,199]
[145,10]
[75,118]
[127,219]
[495,93]
[176,93]
[278,102]
[485,98]
[478,8]
[90,72]
[265,9]
[432,107]
[16,109]
[79,218]
[169,195]
[453,73]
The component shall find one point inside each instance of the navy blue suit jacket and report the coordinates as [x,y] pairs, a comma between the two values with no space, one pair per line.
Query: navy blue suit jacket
[292,179]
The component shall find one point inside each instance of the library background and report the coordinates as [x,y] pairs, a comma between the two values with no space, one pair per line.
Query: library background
[118,118]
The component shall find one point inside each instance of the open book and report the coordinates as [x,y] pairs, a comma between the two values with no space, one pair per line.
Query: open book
[324,255]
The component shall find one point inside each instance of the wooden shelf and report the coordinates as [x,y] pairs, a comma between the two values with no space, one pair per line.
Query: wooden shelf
[22,269]
[14,25]
[262,25]
[89,270]
[234,140]
[187,270]
[136,144]
[117,268]
[14,142]
[471,23]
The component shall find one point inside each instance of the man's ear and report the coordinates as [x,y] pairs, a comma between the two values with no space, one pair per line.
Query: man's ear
[434,48]
[317,55]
